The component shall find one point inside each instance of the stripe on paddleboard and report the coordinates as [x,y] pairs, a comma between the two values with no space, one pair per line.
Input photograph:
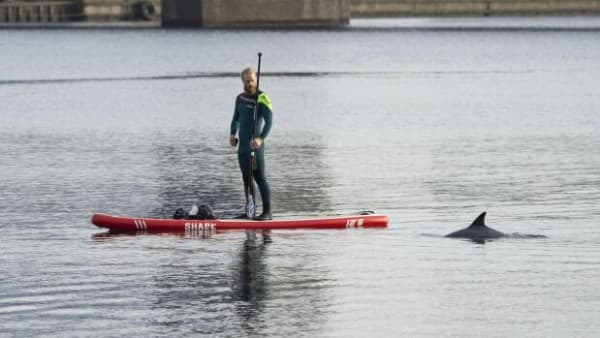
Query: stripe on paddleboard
[140,224]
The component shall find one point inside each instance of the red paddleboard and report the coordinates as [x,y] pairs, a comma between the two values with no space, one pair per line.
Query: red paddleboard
[135,224]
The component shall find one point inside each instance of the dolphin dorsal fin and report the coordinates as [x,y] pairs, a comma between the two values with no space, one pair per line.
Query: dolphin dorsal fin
[479,221]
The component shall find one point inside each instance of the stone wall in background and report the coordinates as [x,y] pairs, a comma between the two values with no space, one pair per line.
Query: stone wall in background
[366,8]
[255,13]
[244,13]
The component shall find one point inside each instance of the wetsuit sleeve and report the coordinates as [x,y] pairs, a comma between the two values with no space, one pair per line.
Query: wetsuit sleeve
[267,114]
[235,121]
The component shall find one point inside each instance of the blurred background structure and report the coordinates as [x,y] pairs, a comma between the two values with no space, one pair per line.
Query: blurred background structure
[269,13]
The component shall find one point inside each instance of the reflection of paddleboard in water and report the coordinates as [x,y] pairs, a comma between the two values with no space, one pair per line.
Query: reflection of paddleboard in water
[134,224]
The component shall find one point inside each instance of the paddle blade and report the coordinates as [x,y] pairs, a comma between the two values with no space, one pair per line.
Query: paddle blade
[250,207]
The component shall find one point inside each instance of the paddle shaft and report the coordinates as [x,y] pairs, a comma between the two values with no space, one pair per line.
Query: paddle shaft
[250,203]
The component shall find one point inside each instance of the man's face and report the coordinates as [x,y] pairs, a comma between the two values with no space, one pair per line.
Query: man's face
[249,80]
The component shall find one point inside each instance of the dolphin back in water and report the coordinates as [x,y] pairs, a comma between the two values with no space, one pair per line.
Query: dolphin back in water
[477,230]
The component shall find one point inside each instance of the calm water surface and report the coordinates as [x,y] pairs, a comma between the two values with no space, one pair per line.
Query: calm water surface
[428,127]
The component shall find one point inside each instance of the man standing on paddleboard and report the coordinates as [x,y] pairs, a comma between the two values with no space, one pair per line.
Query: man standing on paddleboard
[252,127]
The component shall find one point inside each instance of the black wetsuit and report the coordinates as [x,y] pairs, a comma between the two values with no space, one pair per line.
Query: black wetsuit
[243,122]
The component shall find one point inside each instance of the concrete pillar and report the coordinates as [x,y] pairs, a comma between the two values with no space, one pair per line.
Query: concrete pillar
[43,13]
[12,14]
[181,13]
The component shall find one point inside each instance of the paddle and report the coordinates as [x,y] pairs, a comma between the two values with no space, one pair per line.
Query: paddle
[250,205]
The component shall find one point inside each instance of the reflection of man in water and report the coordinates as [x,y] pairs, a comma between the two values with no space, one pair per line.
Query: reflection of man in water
[251,288]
